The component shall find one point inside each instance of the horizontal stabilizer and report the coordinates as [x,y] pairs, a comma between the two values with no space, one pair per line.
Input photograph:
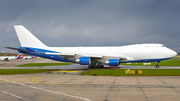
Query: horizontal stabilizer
[30,50]
[23,50]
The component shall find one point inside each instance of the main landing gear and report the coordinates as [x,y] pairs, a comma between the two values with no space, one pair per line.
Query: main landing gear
[157,66]
[95,66]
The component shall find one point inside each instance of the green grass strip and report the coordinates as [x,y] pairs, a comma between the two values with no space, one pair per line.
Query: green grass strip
[24,71]
[145,72]
[170,62]
[43,64]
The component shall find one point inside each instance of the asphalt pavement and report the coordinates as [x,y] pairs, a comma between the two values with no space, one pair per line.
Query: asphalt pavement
[69,85]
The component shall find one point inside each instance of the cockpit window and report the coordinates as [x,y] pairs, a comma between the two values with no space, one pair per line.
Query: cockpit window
[162,46]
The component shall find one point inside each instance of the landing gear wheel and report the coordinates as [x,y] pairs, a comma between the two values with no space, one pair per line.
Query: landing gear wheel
[102,66]
[157,66]
[89,66]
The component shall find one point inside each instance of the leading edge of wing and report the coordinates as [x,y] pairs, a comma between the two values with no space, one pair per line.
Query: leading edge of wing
[71,55]
[67,55]
[24,50]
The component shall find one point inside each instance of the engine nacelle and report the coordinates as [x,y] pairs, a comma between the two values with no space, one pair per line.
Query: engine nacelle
[84,61]
[112,62]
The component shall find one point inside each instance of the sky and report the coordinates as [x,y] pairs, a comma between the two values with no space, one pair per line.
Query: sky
[74,23]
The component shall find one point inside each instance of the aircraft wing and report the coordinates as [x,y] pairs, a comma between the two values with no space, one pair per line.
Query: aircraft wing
[72,56]
[24,50]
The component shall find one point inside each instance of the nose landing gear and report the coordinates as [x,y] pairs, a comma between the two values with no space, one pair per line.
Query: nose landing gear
[157,66]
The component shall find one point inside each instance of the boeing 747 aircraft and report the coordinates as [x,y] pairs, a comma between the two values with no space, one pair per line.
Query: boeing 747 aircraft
[94,57]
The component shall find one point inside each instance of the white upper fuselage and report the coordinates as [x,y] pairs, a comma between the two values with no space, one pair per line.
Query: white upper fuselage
[131,52]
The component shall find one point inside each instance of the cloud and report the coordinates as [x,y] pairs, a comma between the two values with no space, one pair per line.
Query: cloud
[92,22]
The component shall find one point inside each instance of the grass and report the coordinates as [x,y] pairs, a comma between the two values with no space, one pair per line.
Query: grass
[43,64]
[23,71]
[171,62]
[145,72]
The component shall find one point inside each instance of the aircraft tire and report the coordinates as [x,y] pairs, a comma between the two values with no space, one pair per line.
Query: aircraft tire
[102,66]
[89,66]
[157,66]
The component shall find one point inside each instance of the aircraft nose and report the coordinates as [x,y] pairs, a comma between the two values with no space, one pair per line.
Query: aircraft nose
[171,53]
[174,53]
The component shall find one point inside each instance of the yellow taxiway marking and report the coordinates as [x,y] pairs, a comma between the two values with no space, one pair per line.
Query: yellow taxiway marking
[33,80]
[4,81]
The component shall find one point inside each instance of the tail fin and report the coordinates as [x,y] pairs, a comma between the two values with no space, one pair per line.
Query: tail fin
[32,57]
[26,38]
[19,56]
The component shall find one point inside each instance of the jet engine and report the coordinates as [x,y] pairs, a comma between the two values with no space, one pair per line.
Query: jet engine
[83,60]
[112,62]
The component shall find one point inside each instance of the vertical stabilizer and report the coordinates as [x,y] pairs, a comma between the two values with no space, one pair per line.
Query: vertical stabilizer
[19,56]
[26,38]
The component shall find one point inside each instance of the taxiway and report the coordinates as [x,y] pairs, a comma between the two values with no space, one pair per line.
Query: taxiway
[71,86]
[68,87]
